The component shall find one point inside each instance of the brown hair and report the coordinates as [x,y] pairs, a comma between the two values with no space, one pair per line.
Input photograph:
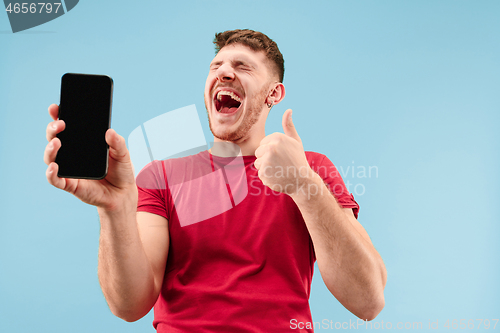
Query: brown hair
[255,40]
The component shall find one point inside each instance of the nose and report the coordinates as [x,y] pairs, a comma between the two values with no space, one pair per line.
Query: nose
[225,73]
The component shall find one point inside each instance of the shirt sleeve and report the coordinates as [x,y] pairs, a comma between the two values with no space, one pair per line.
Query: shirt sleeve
[152,188]
[331,177]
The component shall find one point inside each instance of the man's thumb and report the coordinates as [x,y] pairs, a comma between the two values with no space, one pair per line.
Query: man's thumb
[118,148]
[288,126]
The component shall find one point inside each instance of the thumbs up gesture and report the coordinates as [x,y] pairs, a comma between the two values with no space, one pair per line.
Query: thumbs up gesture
[281,161]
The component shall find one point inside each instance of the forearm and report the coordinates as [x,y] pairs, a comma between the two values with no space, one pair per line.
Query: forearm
[350,266]
[125,274]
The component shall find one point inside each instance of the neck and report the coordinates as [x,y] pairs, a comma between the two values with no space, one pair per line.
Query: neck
[244,147]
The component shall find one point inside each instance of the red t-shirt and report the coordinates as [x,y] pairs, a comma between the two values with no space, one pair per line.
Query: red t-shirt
[240,256]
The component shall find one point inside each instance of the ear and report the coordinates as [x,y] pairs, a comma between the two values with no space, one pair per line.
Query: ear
[276,94]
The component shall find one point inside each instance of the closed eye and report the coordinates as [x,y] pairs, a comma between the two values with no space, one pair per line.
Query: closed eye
[215,65]
[245,68]
[242,65]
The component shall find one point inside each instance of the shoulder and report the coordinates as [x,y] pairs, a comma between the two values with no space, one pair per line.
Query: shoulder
[322,165]
[174,170]
[314,156]
[317,159]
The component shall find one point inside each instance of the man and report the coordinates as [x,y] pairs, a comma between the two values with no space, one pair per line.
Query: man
[247,269]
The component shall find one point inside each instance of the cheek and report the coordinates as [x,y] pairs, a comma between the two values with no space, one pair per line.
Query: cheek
[209,83]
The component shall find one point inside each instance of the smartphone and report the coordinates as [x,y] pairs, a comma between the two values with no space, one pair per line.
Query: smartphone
[85,107]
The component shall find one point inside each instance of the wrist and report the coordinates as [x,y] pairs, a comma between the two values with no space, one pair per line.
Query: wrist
[120,207]
[308,187]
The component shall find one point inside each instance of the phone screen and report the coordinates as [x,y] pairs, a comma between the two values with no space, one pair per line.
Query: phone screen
[85,107]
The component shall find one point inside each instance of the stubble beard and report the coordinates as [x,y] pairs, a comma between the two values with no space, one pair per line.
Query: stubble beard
[250,118]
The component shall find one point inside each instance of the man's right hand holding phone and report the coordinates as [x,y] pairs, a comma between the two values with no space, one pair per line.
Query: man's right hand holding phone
[112,192]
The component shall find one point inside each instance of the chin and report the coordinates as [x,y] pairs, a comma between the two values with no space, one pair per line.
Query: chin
[225,134]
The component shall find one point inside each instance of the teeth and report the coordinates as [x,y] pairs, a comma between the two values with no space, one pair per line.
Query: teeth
[228,93]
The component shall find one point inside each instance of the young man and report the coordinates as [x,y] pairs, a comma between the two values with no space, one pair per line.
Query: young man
[243,269]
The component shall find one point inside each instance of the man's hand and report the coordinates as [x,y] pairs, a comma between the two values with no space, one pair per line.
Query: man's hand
[108,193]
[281,160]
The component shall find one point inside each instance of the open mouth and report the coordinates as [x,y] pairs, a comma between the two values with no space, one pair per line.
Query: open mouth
[227,101]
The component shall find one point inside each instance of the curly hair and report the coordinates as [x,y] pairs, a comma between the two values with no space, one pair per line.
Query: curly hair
[255,40]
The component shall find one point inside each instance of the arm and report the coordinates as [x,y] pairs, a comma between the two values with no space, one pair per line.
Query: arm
[350,266]
[133,247]
[133,250]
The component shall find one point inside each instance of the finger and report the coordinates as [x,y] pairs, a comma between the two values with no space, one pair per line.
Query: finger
[121,170]
[117,147]
[262,176]
[288,126]
[51,150]
[260,151]
[270,138]
[52,178]
[54,111]
[53,128]
[256,164]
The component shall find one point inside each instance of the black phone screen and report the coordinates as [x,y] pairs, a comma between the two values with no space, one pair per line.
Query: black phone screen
[85,107]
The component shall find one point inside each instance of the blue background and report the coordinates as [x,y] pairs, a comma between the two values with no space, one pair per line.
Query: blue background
[411,88]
